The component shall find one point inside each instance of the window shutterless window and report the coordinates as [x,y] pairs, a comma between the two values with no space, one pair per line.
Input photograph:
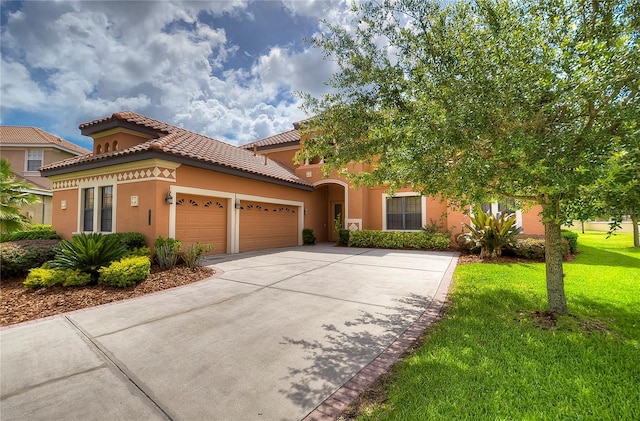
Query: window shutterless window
[34,159]
[404,213]
[88,200]
[106,208]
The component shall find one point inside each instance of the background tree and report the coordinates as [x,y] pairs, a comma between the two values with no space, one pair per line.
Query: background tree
[523,100]
[13,196]
[620,189]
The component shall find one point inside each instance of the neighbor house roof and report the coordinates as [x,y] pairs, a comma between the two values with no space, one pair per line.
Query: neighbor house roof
[182,146]
[33,136]
[280,139]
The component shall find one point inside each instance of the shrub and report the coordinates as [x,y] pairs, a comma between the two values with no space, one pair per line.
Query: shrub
[308,237]
[572,240]
[398,240]
[35,232]
[45,277]
[435,227]
[142,251]
[16,259]
[343,237]
[166,252]
[491,233]
[88,253]
[531,248]
[193,253]
[131,240]
[125,272]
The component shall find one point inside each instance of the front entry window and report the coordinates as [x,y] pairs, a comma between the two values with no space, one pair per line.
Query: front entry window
[106,208]
[404,213]
[88,204]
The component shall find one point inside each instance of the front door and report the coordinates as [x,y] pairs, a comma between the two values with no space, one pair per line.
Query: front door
[336,213]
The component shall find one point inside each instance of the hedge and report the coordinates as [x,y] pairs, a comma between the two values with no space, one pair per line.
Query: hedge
[45,277]
[16,259]
[399,240]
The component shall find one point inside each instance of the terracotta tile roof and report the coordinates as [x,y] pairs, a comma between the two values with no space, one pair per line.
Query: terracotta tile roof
[292,136]
[26,135]
[177,141]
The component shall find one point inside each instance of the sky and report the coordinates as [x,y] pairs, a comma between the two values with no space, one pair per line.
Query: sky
[226,69]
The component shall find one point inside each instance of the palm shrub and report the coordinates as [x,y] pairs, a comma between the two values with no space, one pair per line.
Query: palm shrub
[88,253]
[491,233]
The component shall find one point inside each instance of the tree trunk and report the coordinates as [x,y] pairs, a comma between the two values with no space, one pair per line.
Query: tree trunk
[636,238]
[557,301]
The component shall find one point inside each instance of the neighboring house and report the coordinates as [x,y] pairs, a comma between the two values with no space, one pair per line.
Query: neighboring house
[27,149]
[161,180]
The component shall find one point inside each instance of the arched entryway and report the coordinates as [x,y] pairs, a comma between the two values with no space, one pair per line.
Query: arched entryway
[334,197]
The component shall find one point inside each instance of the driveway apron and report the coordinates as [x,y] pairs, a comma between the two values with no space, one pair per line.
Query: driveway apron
[269,337]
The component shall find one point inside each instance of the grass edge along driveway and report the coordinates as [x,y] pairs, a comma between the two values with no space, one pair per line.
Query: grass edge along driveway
[495,356]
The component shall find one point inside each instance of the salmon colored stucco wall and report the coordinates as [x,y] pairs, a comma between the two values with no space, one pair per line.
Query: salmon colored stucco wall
[284,157]
[65,221]
[118,139]
[531,221]
[150,196]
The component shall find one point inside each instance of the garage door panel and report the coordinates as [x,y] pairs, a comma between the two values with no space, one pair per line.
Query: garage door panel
[202,219]
[267,225]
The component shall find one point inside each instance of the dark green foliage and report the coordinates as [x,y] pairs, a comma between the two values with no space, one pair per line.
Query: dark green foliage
[572,240]
[88,253]
[142,251]
[35,232]
[16,259]
[491,233]
[192,254]
[308,237]
[398,240]
[343,237]
[131,240]
[434,227]
[166,252]
[45,277]
[126,272]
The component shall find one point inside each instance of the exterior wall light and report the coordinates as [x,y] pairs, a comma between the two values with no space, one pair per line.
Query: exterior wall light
[168,199]
[238,204]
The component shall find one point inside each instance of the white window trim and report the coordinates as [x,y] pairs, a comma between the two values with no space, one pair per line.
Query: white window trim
[97,205]
[26,160]
[423,206]
[494,211]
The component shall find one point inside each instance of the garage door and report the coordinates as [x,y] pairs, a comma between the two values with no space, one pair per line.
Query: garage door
[202,219]
[267,225]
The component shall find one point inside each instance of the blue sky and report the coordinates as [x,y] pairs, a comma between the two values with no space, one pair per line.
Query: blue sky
[227,69]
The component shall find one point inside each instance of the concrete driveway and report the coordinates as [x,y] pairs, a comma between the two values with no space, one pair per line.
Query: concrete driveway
[270,337]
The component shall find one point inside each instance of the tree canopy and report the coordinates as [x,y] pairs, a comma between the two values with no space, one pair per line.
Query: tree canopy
[481,100]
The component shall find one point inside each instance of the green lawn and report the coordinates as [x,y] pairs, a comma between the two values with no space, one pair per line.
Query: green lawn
[492,358]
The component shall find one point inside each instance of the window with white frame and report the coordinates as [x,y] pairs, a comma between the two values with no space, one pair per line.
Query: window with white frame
[97,209]
[505,207]
[404,213]
[34,159]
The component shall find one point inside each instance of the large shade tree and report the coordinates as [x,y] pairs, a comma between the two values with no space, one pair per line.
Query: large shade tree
[487,99]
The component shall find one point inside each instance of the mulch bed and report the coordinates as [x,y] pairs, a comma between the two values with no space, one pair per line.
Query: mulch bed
[19,304]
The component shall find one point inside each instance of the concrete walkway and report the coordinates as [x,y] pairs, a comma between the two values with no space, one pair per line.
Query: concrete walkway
[270,337]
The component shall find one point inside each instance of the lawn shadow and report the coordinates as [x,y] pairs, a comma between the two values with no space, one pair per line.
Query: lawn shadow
[347,349]
[607,258]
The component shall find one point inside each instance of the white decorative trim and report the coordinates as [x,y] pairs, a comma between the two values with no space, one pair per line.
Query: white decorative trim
[423,206]
[96,183]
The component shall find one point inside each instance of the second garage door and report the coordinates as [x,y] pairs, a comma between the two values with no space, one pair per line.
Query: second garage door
[202,219]
[267,225]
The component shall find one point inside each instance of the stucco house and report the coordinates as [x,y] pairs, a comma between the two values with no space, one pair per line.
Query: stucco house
[27,149]
[148,176]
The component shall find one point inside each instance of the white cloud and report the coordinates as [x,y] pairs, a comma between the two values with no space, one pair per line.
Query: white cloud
[83,60]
